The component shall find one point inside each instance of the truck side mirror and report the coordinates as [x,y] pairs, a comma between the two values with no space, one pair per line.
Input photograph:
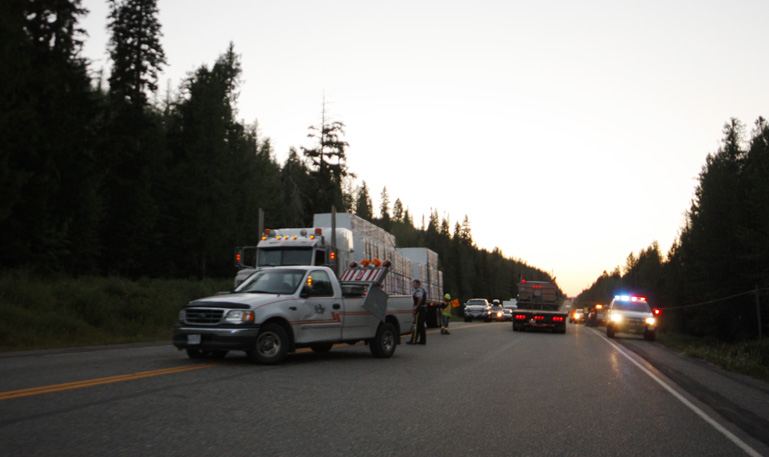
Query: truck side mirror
[305,292]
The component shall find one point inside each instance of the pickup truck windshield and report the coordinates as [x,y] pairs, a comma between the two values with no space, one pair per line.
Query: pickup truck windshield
[282,282]
[284,256]
[640,307]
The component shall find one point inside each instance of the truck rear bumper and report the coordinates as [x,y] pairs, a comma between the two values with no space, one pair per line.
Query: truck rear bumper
[211,339]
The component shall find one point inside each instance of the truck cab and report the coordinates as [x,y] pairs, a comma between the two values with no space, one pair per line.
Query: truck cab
[295,246]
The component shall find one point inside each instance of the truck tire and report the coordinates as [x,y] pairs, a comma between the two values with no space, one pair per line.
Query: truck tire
[321,348]
[561,330]
[515,327]
[650,335]
[383,344]
[195,353]
[271,345]
[610,331]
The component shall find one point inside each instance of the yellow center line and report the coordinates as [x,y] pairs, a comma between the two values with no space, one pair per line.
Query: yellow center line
[99,381]
[125,377]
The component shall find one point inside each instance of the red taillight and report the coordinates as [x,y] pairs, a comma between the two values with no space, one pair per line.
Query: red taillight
[558,319]
[520,317]
[657,311]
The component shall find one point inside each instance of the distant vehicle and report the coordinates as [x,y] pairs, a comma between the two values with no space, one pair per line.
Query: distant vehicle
[631,314]
[538,307]
[477,308]
[510,304]
[508,314]
[577,316]
[497,312]
[596,317]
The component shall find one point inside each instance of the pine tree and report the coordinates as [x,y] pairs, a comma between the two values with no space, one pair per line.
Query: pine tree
[135,49]
[48,115]
[384,209]
[134,142]
[398,210]
[329,163]
[363,205]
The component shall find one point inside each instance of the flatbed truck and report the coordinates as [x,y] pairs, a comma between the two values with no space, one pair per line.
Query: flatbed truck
[538,307]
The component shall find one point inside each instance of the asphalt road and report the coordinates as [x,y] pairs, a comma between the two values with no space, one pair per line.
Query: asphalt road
[482,391]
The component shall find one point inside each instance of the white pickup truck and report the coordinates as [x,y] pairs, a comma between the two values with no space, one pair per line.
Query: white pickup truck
[278,310]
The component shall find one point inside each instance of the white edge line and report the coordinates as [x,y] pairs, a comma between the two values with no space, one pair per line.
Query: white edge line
[731,436]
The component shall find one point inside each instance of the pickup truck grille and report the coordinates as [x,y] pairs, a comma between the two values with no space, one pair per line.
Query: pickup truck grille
[203,315]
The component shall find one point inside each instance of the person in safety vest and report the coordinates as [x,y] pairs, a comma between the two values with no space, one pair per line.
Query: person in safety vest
[446,314]
[419,335]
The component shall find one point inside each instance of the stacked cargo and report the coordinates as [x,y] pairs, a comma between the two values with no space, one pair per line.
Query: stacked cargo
[425,268]
[373,242]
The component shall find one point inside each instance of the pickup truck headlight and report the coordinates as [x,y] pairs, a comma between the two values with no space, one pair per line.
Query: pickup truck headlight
[651,320]
[616,317]
[239,316]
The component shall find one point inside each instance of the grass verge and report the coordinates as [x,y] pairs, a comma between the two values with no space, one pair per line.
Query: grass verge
[43,312]
[750,358]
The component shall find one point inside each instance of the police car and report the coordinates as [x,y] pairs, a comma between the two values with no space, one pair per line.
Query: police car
[631,314]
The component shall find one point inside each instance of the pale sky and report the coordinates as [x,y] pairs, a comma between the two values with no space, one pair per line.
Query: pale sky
[571,133]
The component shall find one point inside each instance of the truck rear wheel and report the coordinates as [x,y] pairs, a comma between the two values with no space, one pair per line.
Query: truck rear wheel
[383,344]
[271,345]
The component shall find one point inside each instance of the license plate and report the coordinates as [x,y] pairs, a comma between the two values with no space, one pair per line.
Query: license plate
[193,339]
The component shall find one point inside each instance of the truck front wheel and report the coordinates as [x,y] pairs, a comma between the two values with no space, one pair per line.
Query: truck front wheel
[610,331]
[650,335]
[271,345]
[383,344]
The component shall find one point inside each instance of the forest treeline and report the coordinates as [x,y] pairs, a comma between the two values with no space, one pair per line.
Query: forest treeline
[101,177]
[715,278]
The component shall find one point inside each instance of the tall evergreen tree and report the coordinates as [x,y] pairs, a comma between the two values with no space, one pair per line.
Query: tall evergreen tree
[755,235]
[363,204]
[294,179]
[48,114]
[398,210]
[135,49]
[329,162]
[134,141]
[384,209]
